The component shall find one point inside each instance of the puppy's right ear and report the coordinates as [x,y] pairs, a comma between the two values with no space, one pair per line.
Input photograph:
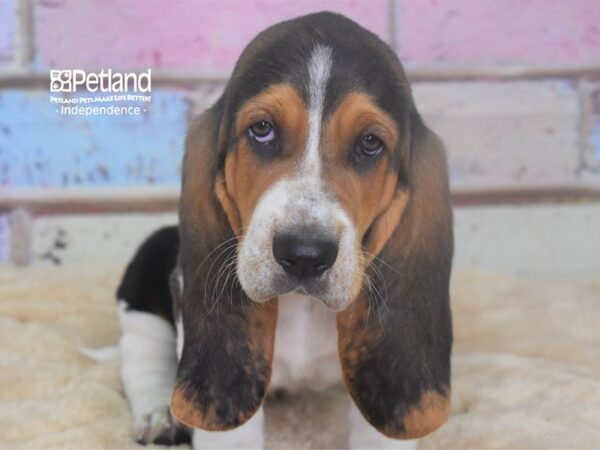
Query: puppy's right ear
[225,365]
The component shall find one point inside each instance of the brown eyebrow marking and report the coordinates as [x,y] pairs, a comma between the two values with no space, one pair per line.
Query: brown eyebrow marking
[358,113]
[365,196]
[279,102]
[245,177]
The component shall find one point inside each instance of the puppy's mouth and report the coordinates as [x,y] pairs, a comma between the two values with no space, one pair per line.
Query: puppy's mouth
[315,288]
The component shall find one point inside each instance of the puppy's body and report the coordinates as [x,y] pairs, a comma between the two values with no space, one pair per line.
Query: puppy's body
[314,244]
[305,357]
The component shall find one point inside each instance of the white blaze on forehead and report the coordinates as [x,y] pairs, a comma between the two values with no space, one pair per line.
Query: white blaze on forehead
[301,199]
[319,68]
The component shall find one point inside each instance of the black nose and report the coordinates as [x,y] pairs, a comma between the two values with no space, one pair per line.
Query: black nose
[304,254]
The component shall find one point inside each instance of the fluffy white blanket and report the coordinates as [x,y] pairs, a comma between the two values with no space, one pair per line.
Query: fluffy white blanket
[526,367]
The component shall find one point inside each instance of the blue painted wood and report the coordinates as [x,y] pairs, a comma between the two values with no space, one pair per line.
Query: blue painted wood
[40,147]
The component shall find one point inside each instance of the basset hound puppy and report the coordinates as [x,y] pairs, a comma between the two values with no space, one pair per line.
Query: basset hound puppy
[314,247]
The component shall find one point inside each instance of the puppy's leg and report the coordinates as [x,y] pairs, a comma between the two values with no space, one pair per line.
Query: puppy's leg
[247,436]
[149,365]
[148,343]
[364,436]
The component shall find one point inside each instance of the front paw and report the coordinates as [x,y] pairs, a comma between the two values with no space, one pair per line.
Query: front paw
[159,427]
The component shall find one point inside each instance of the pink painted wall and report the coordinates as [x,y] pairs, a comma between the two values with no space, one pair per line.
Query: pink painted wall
[208,35]
[499,31]
[204,35]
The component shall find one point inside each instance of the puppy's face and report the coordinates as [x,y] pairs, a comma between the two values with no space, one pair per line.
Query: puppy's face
[310,169]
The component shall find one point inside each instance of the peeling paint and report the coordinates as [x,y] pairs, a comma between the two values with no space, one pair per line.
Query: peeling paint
[39,147]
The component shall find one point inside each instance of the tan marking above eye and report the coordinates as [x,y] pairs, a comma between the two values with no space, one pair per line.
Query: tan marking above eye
[356,115]
[279,104]
[246,176]
[363,196]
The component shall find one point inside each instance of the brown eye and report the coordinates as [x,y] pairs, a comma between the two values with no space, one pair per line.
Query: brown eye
[262,132]
[370,146]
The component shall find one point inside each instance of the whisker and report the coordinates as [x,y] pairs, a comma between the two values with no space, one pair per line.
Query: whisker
[377,301]
[207,281]
[227,270]
[381,261]
[223,269]
[217,247]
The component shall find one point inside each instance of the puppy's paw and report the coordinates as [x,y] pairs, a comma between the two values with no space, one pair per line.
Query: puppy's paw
[159,427]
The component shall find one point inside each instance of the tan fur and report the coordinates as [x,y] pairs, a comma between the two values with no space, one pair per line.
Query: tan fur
[228,205]
[186,412]
[246,177]
[261,329]
[365,196]
[431,412]
[199,175]
[352,328]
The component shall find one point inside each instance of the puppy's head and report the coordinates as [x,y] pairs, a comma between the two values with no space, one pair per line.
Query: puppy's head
[314,173]
[316,147]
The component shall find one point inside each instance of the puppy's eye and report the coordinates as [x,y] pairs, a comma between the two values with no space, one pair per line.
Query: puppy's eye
[262,132]
[369,146]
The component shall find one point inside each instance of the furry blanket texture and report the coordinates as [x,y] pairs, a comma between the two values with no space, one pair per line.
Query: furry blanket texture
[526,367]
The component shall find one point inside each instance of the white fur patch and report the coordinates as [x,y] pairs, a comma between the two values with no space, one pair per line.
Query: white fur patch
[179,328]
[149,360]
[319,69]
[306,354]
[180,281]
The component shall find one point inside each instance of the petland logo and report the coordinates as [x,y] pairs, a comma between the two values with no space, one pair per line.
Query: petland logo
[119,94]
[103,81]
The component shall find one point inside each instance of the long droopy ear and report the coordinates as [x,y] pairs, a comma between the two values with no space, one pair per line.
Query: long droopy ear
[225,365]
[395,340]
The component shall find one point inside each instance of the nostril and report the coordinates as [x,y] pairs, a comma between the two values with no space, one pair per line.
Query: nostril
[287,262]
[320,268]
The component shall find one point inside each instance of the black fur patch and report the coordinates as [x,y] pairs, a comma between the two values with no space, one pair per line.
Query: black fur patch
[145,284]
[413,341]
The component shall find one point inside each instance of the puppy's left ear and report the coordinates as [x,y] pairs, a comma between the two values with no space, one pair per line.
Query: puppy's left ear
[396,356]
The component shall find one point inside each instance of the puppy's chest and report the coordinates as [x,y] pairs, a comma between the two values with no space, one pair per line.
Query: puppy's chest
[306,354]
